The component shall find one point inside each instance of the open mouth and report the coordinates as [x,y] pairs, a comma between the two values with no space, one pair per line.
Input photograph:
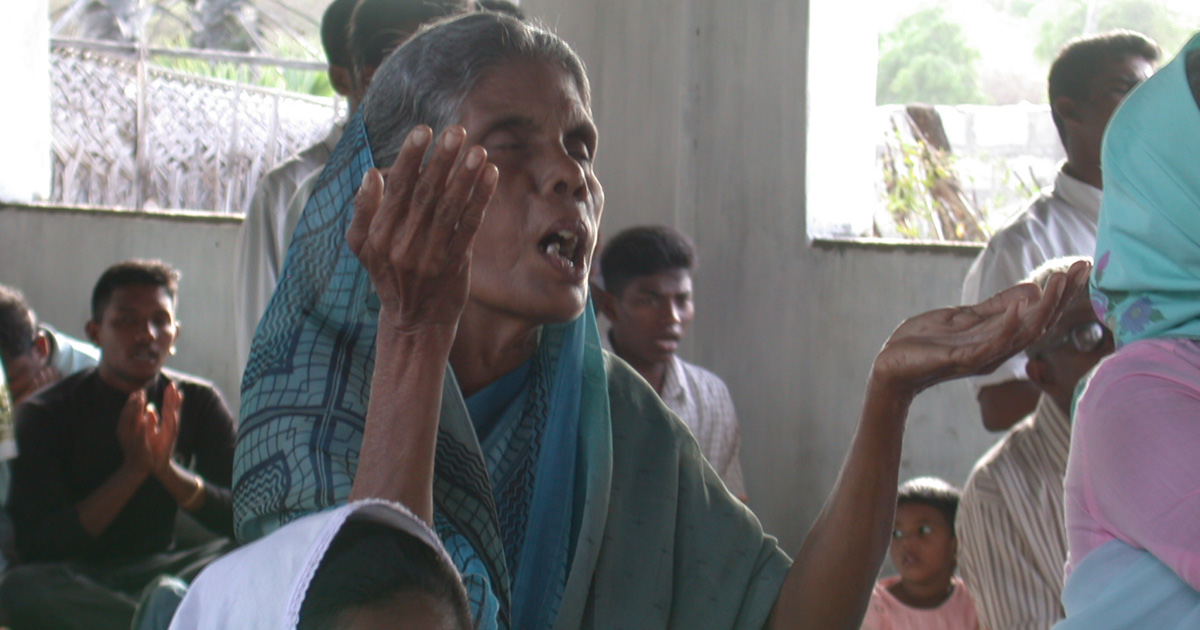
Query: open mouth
[562,244]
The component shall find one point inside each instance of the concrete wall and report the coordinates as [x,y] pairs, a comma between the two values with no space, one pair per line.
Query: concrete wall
[701,107]
[56,255]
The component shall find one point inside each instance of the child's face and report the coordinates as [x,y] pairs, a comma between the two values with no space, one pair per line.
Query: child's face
[924,548]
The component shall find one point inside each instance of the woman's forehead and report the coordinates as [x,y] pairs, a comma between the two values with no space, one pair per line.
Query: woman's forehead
[530,89]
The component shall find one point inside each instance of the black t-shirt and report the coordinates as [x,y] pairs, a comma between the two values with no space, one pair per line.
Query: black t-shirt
[68,447]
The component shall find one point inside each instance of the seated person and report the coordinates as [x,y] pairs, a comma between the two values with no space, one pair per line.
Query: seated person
[1011,533]
[926,595]
[1133,477]
[422,352]
[647,297]
[103,466]
[34,354]
[375,565]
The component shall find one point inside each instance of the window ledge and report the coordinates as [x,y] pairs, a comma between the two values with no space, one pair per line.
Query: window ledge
[949,248]
[189,216]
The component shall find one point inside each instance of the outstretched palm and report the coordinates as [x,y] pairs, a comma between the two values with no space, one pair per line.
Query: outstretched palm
[951,342]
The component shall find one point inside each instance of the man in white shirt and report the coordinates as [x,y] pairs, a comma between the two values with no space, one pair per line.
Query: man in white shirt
[647,297]
[1088,80]
[1012,540]
[265,235]
[357,36]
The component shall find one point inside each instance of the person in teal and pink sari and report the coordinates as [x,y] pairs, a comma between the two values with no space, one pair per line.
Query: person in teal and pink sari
[1133,476]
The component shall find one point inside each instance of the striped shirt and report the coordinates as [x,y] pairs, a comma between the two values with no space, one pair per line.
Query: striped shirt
[1012,544]
[701,399]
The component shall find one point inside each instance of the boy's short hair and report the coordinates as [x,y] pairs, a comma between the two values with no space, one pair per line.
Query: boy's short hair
[369,563]
[643,251]
[17,324]
[934,492]
[131,273]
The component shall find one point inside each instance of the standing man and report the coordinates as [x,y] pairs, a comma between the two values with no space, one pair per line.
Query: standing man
[263,239]
[647,297]
[106,459]
[1088,80]
[357,36]
[1012,540]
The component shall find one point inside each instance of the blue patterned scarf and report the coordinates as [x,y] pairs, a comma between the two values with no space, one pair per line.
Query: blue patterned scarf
[507,511]
[1145,283]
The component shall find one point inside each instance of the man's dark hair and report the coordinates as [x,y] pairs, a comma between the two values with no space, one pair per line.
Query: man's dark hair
[1081,59]
[130,273]
[370,564]
[643,251]
[17,324]
[335,32]
[933,492]
[379,26]
[502,6]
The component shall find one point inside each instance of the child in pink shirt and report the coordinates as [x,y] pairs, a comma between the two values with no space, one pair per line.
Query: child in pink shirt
[926,595]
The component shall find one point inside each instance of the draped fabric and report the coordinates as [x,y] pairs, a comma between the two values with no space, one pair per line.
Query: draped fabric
[1117,586]
[1145,282]
[587,503]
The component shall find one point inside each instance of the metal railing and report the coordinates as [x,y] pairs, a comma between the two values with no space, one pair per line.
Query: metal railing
[128,132]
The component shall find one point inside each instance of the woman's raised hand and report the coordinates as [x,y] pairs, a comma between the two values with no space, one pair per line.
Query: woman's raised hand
[413,233]
[953,342]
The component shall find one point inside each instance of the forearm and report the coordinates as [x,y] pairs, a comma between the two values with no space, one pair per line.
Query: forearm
[829,584]
[396,460]
[97,511]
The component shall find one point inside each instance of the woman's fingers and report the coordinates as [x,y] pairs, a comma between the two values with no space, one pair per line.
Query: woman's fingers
[430,185]
[366,205]
[472,215]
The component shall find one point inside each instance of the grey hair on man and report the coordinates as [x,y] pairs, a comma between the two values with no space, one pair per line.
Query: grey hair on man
[426,80]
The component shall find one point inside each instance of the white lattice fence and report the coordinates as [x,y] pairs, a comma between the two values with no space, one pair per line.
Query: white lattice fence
[205,142]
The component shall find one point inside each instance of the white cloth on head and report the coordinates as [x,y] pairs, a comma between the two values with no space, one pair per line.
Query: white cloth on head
[1060,222]
[263,584]
[1011,529]
[265,235]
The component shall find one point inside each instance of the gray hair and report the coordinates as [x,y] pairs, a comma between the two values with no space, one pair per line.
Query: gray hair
[426,80]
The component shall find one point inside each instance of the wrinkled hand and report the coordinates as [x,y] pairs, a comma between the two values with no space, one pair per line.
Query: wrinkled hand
[414,233]
[146,442]
[952,342]
[26,384]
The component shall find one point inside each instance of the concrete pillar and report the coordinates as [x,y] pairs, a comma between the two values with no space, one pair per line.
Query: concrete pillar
[25,124]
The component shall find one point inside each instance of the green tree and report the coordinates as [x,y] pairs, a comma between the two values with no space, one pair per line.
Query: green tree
[1064,20]
[927,59]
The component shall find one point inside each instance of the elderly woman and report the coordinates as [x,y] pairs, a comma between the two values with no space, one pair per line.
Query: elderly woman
[448,359]
[1133,478]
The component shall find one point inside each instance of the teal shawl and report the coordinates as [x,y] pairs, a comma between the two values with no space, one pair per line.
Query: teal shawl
[1145,282]
[588,504]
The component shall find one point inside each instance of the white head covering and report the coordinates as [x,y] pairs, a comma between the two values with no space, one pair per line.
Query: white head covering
[262,585]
